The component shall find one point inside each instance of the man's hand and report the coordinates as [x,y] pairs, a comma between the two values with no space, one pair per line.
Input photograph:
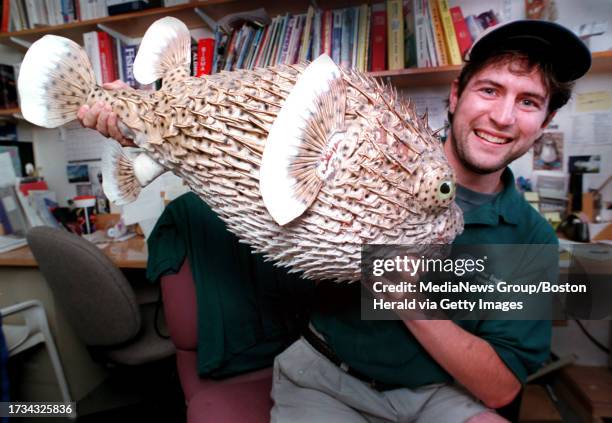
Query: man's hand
[101,117]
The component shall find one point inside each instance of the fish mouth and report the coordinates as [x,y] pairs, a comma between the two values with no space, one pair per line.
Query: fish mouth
[489,137]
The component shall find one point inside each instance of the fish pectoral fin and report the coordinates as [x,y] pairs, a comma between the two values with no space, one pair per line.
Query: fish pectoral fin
[125,171]
[300,153]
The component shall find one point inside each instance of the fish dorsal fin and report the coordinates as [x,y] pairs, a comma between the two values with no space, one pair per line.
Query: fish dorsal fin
[125,171]
[166,46]
[299,155]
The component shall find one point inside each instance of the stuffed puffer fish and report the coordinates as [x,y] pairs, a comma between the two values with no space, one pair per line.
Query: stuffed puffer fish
[305,163]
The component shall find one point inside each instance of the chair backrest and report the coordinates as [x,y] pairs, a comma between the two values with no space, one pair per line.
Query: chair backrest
[92,292]
[181,308]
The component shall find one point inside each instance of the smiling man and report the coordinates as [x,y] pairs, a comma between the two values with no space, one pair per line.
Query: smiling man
[350,370]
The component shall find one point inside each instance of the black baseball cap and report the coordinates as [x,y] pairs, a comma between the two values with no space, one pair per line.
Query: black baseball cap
[550,42]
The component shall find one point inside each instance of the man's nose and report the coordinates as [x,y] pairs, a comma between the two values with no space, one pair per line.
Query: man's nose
[503,113]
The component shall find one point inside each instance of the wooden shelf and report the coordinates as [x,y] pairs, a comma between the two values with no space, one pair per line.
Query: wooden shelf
[132,25]
[10,112]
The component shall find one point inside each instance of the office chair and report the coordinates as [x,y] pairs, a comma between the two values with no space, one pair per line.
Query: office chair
[20,338]
[97,299]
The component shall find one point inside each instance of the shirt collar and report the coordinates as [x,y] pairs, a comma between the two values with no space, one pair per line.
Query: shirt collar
[504,206]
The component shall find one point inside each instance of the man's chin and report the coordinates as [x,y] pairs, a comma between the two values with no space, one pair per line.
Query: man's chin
[482,169]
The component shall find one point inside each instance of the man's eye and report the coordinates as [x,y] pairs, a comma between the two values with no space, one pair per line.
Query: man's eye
[529,103]
[488,91]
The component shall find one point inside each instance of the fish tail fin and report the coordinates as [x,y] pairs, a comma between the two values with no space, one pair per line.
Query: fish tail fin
[301,152]
[125,171]
[55,79]
[165,47]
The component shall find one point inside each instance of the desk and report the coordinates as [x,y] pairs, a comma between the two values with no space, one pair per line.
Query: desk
[20,280]
[130,254]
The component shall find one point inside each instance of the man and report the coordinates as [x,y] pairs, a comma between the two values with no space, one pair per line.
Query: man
[350,370]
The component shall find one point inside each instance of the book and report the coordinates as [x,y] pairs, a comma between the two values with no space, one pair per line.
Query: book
[473,26]
[354,43]
[107,57]
[395,34]
[68,11]
[464,39]
[6,16]
[410,54]
[327,33]
[317,35]
[420,32]
[439,41]
[362,42]
[336,36]
[429,33]
[128,55]
[345,40]
[90,44]
[204,58]
[378,37]
[307,36]
[454,54]
[11,242]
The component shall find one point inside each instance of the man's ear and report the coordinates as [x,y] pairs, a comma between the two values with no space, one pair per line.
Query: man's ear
[453,97]
[548,119]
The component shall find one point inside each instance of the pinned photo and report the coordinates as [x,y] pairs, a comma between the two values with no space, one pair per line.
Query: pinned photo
[548,152]
[77,173]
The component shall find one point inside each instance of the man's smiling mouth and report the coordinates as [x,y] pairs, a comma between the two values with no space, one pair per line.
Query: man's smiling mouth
[492,138]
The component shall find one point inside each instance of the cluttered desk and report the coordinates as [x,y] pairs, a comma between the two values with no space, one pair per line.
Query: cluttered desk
[129,254]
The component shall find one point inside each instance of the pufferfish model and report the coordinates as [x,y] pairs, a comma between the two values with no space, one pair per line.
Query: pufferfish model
[305,163]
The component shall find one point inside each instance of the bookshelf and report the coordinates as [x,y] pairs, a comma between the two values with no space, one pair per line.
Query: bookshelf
[134,25]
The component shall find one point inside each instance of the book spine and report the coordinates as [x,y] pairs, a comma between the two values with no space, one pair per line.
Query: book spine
[431,41]
[261,47]
[362,41]
[68,11]
[345,41]
[90,41]
[449,33]
[395,31]
[6,13]
[286,40]
[379,37]
[204,59]
[305,42]
[438,34]
[410,55]
[473,26]
[355,37]
[464,39]
[336,36]
[420,33]
[128,54]
[107,62]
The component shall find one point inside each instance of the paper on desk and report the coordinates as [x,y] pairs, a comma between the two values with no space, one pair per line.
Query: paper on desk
[7,172]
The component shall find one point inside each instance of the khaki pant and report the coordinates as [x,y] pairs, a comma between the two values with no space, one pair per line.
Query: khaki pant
[307,387]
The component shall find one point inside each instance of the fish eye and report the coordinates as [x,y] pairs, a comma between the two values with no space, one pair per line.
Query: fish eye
[446,189]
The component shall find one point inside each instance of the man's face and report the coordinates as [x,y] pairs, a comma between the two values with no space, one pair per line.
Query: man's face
[501,112]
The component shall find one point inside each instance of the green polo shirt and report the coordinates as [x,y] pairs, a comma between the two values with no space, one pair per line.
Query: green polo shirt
[389,353]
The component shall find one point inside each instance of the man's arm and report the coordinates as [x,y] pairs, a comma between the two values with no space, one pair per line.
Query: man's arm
[472,361]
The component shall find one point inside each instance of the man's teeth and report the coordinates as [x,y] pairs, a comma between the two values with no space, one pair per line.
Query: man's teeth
[491,138]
